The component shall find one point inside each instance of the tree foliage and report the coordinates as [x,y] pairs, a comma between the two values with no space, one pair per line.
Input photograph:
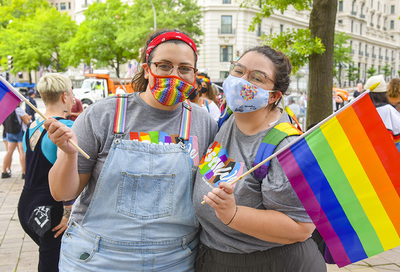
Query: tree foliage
[318,49]
[297,45]
[35,40]
[371,71]
[341,54]
[16,9]
[113,32]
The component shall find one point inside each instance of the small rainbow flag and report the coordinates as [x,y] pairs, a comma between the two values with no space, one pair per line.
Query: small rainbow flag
[8,100]
[346,174]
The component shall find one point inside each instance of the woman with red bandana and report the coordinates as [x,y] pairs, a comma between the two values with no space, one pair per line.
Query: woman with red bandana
[134,209]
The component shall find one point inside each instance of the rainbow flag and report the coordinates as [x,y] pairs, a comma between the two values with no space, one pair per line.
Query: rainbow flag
[8,101]
[346,174]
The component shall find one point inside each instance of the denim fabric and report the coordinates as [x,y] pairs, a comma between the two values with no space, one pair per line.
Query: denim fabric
[141,216]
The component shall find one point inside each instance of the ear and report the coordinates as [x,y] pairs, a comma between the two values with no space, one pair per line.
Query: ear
[146,70]
[64,97]
[274,96]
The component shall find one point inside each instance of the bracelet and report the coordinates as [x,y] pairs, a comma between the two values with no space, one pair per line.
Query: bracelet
[67,212]
[233,216]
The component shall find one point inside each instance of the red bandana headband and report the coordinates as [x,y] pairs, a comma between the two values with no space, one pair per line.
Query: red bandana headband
[169,36]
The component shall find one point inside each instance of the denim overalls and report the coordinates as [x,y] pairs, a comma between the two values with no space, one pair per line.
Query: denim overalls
[141,216]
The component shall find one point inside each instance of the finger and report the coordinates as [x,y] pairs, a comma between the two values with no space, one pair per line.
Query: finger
[215,198]
[60,232]
[210,202]
[226,186]
[220,193]
[57,227]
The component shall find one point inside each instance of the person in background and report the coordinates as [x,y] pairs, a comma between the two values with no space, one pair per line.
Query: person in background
[14,140]
[393,93]
[76,110]
[259,224]
[8,167]
[303,104]
[358,91]
[43,218]
[206,104]
[206,90]
[134,209]
[390,116]
[293,106]
[28,109]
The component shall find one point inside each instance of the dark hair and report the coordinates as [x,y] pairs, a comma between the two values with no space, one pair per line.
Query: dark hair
[210,93]
[139,83]
[379,99]
[198,81]
[282,67]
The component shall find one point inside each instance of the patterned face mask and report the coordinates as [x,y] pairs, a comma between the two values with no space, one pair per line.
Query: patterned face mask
[170,90]
[242,96]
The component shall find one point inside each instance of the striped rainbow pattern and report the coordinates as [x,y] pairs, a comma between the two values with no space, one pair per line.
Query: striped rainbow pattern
[171,90]
[346,174]
[8,102]
[119,121]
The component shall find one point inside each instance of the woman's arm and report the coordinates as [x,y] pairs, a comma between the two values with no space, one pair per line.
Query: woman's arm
[268,225]
[64,180]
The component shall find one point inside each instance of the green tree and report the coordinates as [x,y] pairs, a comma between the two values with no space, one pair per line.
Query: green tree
[113,32]
[35,40]
[353,73]
[387,70]
[95,41]
[168,15]
[371,71]
[341,54]
[14,9]
[322,28]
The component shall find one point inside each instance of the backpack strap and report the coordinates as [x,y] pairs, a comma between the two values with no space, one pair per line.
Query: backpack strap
[269,144]
[120,114]
[206,102]
[224,116]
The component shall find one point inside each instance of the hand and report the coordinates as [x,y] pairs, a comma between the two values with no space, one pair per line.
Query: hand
[60,228]
[59,134]
[222,200]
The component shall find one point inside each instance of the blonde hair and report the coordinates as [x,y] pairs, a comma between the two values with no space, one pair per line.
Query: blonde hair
[393,89]
[51,86]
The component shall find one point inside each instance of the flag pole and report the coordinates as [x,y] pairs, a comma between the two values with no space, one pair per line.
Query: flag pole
[20,96]
[302,135]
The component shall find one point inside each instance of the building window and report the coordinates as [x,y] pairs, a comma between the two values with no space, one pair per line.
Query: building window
[226,1]
[361,29]
[226,53]
[391,24]
[340,5]
[259,30]
[63,6]
[352,26]
[56,6]
[372,3]
[392,9]
[340,21]
[69,5]
[281,28]
[226,24]
[223,74]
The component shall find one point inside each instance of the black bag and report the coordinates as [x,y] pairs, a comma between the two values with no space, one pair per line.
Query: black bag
[11,124]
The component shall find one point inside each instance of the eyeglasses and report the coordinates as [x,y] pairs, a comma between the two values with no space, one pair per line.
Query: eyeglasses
[185,72]
[255,77]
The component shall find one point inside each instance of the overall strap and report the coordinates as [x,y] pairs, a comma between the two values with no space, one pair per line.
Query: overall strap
[184,133]
[120,114]
[269,144]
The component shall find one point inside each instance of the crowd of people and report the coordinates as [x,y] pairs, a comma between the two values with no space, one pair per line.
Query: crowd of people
[155,154]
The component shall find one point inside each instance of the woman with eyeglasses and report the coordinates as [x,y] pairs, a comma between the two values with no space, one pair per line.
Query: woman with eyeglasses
[258,224]
[134,209]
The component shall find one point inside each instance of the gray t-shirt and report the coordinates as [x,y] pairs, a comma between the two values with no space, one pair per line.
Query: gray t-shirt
[95,125]
[274,193]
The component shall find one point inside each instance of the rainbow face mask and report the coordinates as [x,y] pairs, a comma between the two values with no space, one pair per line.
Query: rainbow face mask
[170,90]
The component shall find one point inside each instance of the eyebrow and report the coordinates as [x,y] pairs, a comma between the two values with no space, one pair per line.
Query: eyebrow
[182,63]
